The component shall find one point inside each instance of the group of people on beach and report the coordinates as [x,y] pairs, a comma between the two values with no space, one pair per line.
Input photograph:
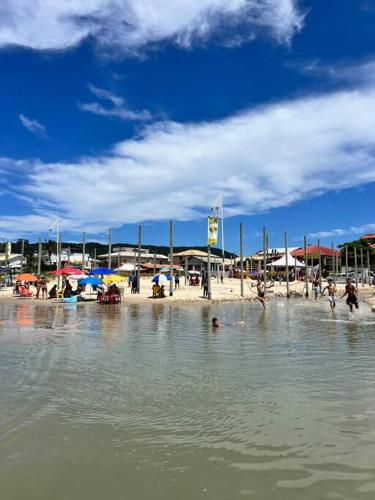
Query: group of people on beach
[351,292]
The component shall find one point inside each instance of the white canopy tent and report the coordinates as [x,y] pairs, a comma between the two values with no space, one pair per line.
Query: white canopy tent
[292,262]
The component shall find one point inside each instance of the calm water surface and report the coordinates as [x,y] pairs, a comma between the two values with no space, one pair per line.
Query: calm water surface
[148,402]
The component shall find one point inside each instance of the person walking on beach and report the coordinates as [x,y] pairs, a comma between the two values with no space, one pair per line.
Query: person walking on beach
[351,291]
[43,286]
[331,287]
[38,287]
[177,281]
[130,280]
[134,284]
[205,286]
[316,287]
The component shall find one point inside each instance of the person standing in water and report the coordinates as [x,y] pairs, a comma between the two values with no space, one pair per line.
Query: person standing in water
[316,287]
[261,289]
[331,287]
[351,291]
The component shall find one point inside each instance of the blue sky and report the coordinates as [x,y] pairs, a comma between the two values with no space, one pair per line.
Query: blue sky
[115,113]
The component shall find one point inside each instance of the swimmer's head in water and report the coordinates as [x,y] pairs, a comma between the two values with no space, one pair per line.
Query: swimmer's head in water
[215,322]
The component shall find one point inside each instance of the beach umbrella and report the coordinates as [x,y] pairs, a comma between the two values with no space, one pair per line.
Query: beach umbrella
[26,277]
[91,280]
[101,270]
[67,270]
[114,278]
[161,279]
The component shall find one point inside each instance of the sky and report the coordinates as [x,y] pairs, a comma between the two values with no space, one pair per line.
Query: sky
[121,112]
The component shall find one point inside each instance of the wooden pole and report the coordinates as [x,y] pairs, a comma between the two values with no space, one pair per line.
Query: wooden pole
[306,268]
[94,263]
[118,258]
[241,257]
[346,260]
[287,264]
[368,268]
[209,272]
[362,270]
[139,259]
[320,264]
[264,257]
[22,254]
[83,250]
[109,248]
[355,267]
[187,269]
[39,256]
[171,257]
[154,261]
[333,264]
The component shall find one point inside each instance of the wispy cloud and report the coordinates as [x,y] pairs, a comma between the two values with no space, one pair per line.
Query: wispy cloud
[117,109]
[34,127]
[352,230]
[132,25]
[260,159]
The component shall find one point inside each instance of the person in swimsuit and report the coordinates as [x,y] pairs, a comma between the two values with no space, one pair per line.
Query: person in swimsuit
[43,286]
[261,289]
[316,287]
[331,287]
[351,292]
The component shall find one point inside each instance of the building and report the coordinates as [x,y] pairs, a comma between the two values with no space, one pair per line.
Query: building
[12,261]
[73,259]
[196,260]
[129,255]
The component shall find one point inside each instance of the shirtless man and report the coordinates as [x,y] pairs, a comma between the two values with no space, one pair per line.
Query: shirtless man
[351,292]
[331,287]
[261,288]
[316,287]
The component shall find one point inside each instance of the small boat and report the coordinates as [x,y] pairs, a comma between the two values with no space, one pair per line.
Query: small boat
[70,300]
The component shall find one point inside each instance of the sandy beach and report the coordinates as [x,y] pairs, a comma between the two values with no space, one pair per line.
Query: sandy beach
[229,291]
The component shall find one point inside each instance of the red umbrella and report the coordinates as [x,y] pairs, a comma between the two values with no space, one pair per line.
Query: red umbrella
[67,270]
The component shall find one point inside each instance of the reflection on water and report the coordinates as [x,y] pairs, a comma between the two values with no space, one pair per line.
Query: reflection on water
[149,402]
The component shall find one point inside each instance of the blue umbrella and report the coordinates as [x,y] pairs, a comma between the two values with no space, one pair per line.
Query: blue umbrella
[90,281]
[161,277]
[101,270]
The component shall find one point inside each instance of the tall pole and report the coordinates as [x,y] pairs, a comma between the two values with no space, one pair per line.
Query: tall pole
[346,260]
[39,256]
[154,261]
[83,250]
[355,267]
[241,257]
[333,263]
[320,264]
[109,248]
[171,257]
[209,272]
[139,259]
[264,257]
[368,268]
[119,258]
[222,237]
[187,269]
[306,268]
[362,273]
[287,264]
[22,254]
[94,263]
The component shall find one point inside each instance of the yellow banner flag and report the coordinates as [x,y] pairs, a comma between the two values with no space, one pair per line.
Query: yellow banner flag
[213,226]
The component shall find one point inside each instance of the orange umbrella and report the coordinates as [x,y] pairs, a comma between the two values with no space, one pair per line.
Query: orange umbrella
[26,277]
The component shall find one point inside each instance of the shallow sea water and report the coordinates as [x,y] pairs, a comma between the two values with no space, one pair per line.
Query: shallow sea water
[149,402]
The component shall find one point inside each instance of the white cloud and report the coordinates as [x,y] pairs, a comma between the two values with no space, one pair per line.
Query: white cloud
[352,230]
[260,159]
[34,126]
[118,108]
[129,25]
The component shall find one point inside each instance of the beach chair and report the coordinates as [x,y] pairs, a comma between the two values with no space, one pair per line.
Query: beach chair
[25,292]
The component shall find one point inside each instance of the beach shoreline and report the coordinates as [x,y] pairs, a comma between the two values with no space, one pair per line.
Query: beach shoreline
[226,292]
